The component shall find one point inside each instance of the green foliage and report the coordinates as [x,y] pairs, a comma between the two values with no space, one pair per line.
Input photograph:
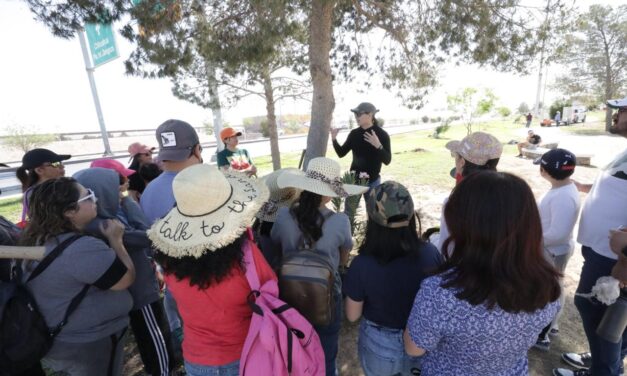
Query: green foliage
[425,119]
[265,131]
[504,111]
[595,58]
[523,108]
[558,105]
[352,202]
[468,104]
[20,138]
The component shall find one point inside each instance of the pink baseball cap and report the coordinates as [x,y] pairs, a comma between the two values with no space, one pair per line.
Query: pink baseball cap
[112,164]
[139,148]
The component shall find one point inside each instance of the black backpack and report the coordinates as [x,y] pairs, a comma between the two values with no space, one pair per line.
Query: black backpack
[25,337]
[9,234]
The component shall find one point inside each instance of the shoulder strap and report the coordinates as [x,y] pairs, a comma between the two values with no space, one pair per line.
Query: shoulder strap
[251,268]
[50,257]
[76,300]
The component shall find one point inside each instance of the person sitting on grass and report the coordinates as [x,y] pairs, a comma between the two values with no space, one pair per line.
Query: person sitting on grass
[532,142]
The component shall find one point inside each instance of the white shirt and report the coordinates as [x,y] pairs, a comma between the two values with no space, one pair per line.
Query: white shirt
[559,209]
[605,208]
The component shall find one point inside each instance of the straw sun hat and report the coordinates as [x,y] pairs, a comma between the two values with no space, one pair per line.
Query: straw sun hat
[322,177]
[279,197]
[213,208]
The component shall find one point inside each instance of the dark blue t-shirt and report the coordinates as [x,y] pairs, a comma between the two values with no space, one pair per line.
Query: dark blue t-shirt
[388,291]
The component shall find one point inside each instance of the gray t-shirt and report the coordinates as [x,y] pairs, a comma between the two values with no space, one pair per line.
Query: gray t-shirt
[102,312]
[336,235]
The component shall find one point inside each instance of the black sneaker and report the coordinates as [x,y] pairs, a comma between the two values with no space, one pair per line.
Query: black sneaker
[579,361]
[568,372]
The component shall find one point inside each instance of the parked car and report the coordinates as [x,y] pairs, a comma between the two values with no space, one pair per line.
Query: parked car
[574,114]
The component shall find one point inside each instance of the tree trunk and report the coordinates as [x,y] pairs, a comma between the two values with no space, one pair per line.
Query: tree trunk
[270,115]
[323,102]
[216,107]
[608,95]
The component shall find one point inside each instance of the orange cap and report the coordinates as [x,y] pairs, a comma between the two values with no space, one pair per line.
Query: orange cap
[229,132]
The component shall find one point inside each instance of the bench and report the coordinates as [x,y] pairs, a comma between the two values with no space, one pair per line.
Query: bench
[582,159]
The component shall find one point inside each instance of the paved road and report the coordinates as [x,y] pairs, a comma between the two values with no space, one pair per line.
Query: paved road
[10,186]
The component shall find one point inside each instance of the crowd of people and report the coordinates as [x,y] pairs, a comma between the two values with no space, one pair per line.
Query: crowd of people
[160,248]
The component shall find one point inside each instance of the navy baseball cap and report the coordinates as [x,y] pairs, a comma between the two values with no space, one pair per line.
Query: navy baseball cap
[559,163]
[37,157]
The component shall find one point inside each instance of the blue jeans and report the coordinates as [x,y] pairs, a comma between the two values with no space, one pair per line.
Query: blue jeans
[382,353]
[607,357]
[231,369]
[329,337]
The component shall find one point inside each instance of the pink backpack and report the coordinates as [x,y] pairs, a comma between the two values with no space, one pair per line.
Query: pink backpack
[280,341]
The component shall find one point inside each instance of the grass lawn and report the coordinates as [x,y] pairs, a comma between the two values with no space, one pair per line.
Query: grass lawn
[418,158]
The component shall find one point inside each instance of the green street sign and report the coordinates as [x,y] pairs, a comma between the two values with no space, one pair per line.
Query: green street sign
[101,43]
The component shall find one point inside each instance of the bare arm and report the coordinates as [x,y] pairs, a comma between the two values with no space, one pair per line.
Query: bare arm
[410,347]
[353,309]
[584,188]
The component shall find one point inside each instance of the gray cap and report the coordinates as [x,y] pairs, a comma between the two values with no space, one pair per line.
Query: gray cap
[365,107]
[176,140]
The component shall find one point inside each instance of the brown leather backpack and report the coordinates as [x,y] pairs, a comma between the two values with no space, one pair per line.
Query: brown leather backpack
[306,280]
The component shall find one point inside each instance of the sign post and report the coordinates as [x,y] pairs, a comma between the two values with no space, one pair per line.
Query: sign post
[103,49]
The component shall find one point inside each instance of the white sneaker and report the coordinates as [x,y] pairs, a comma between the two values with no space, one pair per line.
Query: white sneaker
[568,372]
[579,361]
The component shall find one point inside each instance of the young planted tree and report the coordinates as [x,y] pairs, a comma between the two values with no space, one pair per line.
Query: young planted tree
[416,36]
[469,105]
[597,57]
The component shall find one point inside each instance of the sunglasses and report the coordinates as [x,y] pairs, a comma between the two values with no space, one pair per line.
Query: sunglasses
[90,196]
[53,164]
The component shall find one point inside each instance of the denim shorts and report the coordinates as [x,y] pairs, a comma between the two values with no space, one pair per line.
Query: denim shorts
[382,353]
[231,369]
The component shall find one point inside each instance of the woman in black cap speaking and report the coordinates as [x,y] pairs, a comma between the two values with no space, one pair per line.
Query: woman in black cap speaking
[38,165]
[369,143]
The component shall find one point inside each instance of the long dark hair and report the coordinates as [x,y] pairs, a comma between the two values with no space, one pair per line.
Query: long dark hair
[135,162]
[209,269]
[306,211]
[387,244]
[27,176]
[497,256]
[470,167]
[48,203]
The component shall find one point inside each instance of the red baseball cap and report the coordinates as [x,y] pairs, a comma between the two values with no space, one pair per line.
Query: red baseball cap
[112,164]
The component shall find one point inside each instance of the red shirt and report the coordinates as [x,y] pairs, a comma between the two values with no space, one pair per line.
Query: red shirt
[216,320]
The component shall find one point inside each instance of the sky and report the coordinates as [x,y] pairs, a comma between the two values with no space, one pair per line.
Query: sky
[44,86]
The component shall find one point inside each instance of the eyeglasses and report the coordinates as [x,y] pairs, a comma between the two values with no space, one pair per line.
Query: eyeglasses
[90,196]
[54,164]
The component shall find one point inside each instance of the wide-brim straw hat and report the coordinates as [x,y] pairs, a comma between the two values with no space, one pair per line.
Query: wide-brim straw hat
[213,209]
[322,177]
[279,197]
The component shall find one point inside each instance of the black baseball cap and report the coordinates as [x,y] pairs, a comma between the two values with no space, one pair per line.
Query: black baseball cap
[365,107]
[36,157]
[558,163]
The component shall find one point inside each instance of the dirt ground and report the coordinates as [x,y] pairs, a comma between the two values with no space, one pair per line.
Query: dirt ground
[429,200]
